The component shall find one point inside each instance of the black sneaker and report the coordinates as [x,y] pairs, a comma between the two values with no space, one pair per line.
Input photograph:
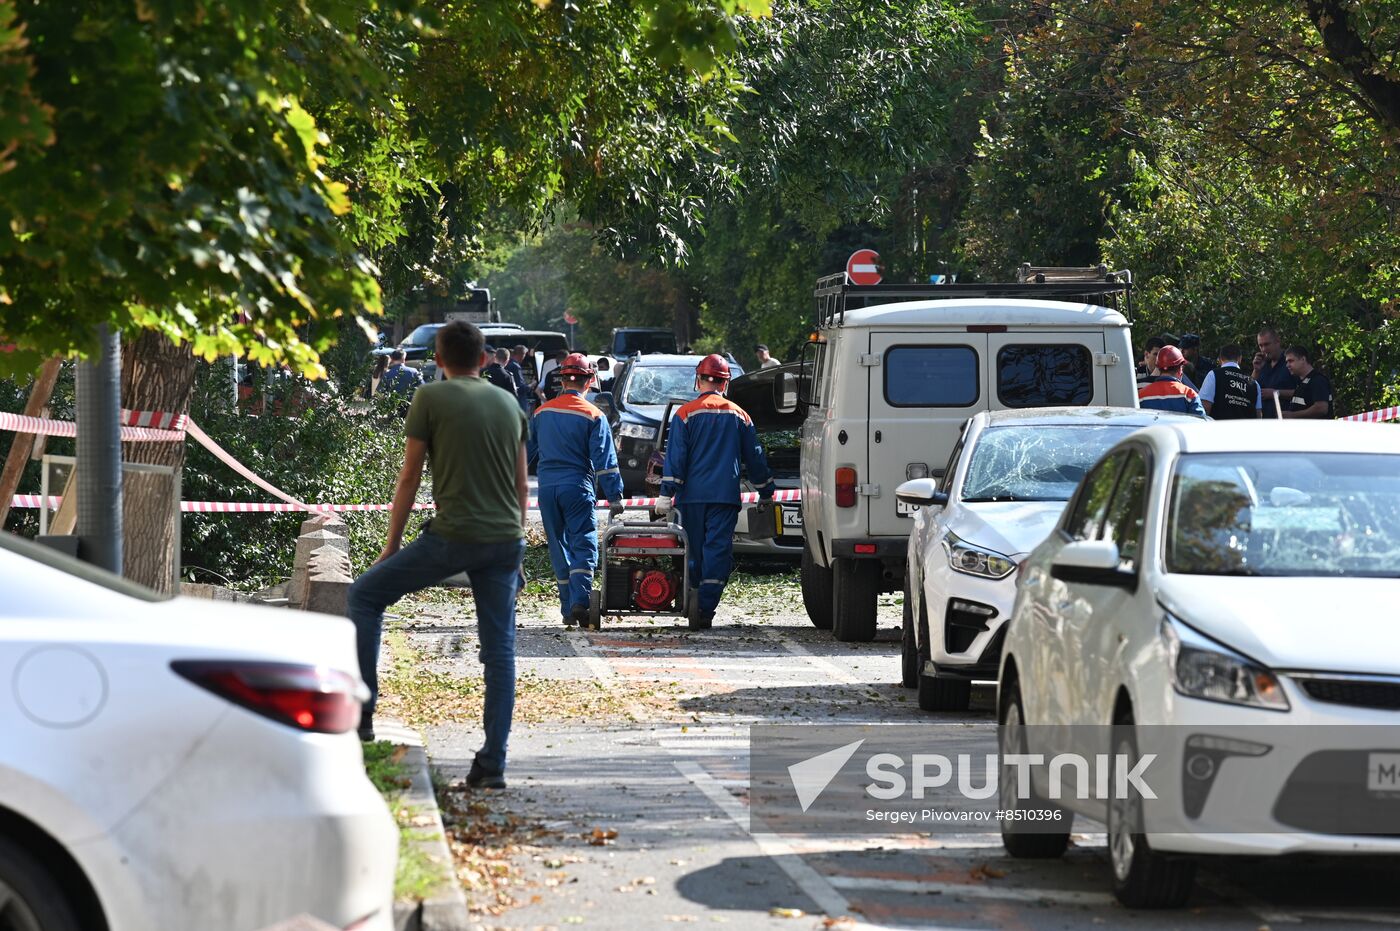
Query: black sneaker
[367,733]
[479,778]
[579,616]
[570,620]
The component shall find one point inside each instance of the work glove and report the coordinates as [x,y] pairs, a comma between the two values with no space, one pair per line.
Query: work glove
[615,511]
[664,506]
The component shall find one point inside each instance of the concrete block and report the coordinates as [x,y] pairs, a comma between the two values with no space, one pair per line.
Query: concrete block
[328,581]
[308,543]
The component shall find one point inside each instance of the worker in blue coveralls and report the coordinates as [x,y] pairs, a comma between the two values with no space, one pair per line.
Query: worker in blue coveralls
[576,446]
[708,440]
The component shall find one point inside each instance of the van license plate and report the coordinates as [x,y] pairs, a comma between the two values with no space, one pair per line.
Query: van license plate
[792,517]
[904,510]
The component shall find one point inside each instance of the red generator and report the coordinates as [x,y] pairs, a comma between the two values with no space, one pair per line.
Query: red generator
[643,571]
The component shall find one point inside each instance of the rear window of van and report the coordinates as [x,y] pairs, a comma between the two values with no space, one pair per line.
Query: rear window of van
[1045,376]
[931,376]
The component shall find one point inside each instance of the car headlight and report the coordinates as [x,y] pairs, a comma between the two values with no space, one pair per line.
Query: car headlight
[1202,668]
[636,431]
[974,560]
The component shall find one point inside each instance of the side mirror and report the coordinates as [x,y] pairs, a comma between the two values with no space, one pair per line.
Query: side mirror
[921,492]
[1091,562]
[604,403]
[785,393]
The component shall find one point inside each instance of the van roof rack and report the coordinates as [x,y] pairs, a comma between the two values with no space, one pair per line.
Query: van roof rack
[1093,284]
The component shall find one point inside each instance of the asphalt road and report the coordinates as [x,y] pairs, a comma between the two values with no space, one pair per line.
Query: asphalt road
[642,729]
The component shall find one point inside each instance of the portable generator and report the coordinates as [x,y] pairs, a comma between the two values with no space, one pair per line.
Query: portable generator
[643,570]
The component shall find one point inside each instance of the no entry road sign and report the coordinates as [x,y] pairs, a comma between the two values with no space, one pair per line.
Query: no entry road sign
[863,267]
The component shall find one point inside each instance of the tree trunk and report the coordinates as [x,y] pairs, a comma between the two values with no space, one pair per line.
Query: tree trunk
[157,375]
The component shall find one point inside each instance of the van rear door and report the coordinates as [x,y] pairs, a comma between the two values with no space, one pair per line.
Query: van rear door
[1039,368]
[923,385]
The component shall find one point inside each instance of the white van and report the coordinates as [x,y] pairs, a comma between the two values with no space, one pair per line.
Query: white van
[895,372]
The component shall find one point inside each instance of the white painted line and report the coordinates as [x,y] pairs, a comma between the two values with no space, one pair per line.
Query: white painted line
[812,884]
[990,890]
[585,650]
[820,662]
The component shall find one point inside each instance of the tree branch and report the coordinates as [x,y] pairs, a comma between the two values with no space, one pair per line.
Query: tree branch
[1350,52]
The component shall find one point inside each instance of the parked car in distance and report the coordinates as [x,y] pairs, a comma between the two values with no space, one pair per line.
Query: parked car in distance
[897,370]
[628,341]
[1228,582]
[1005,485]
[178,763]
[636,405]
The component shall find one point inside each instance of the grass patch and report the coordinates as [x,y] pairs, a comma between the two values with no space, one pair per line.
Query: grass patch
[416,876]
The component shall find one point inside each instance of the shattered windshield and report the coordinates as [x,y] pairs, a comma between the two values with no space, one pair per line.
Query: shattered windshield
[423,335]
[1036,463]
[658,384]
[1285,514]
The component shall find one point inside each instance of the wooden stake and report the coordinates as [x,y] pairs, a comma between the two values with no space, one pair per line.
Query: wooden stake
[23,442]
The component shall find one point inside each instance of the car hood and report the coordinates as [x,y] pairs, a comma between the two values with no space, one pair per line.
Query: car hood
[1328,624]
[1013,528]
[649,414]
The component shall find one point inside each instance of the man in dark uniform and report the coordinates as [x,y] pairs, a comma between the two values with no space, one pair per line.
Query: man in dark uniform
[1229,393]
[1312,398]
[1197,365]
[1275,380]
[709,439]
[496,372]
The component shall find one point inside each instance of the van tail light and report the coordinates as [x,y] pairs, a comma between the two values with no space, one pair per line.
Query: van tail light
[308,698]
[845,488]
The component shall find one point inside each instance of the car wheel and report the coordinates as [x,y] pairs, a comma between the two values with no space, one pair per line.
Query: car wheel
[855,591]
[816,590]
[1024,844]
[909,664]
[1142,877]
[30,898]
[943,693]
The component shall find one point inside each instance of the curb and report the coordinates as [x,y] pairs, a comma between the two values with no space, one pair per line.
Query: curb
[446,910]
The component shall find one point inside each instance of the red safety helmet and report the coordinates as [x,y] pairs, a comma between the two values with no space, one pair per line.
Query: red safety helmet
[713,366]
[576,364]
[1169,357]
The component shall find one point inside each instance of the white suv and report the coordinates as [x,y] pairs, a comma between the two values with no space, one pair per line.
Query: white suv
[1004,487]
[895,372]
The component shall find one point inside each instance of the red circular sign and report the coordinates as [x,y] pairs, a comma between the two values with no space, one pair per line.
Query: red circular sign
[569,318]
[863,267]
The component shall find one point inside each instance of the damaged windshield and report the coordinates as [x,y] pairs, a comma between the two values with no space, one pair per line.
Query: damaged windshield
[1293,514]
[658,384]
[1043,462]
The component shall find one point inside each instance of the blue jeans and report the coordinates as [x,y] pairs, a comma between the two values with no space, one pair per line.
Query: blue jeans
[569,527]
[709,529]
[494,572]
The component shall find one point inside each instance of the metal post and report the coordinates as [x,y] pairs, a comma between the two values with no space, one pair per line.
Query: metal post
[99,477]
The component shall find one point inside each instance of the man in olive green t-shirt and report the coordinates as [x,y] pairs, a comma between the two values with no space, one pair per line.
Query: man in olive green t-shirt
[472,435]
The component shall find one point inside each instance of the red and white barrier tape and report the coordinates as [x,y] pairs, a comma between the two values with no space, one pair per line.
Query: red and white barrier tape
[1380,416]
[156,420]
[263,507]
[19,423]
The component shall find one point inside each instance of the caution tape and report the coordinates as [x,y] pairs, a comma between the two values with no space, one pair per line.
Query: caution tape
[157,420]
[277,507]
[1380,416]
[19,423]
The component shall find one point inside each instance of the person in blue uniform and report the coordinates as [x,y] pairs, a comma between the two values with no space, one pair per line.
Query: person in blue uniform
[709,439]
[575,448]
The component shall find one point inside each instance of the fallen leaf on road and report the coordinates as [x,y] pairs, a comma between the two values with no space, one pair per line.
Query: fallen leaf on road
[573,920]
[844,921]
[600,837]
[553,863]
[777,912]
[985,871]
[681,918]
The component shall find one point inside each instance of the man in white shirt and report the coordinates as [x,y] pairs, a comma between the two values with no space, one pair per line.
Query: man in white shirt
[765,361]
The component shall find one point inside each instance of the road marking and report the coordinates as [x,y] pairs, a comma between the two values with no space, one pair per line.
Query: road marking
[820,662]
[970,891]
[585,650]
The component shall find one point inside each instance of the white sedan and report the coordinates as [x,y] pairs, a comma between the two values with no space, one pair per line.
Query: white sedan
[178,763]
[1005,485]
[1214,601]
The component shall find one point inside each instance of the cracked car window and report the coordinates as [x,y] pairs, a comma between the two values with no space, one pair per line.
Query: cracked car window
[1043,462]
[658,384]
[1294,514]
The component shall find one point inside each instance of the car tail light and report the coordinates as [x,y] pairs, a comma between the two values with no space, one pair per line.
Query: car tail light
[309,698]
[845,488]
[866,549]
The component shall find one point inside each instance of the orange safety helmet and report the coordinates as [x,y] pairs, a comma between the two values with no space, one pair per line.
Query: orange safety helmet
[576,364]
[1169,357]
[713,366]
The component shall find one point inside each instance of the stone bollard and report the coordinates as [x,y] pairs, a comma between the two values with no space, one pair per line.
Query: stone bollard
[317,533]
[328,581]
